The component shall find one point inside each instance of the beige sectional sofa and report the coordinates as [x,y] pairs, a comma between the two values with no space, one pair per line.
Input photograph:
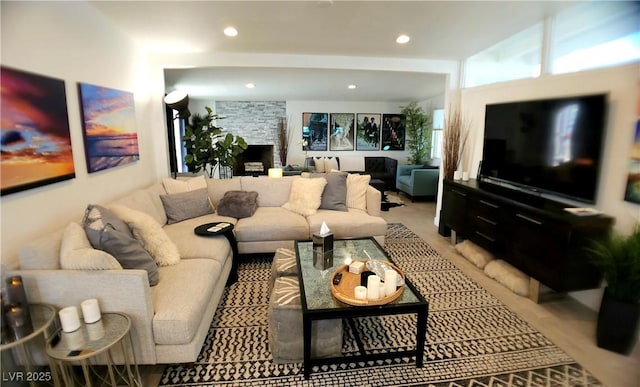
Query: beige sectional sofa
[171,319]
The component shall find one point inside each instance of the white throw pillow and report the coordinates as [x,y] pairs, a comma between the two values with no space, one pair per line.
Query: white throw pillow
[509,276]
[357,191]
[330,163]
[305,196]
[319,163]
[474,253]
[76,252]
[174,186]
[150,234]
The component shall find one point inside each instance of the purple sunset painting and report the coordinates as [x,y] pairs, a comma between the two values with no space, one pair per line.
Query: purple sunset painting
[109,120]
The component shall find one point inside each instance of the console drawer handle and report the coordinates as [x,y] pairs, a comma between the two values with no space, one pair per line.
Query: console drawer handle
[486,237]
[486,203]
[491,222]
[528,219]
[459,192]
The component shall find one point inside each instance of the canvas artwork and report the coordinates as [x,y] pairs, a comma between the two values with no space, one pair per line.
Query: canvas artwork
[341,129]
[36,143]
[109,120]
[314,131]
[368,133]
[393,132]
[632,193]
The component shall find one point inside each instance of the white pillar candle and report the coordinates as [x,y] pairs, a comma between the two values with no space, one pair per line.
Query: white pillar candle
[69,319]
[457,175]
[95,330]
[390,281]
[383,291]
[74,340]
[373,287]
[465,176]
[361,293]
[90,310]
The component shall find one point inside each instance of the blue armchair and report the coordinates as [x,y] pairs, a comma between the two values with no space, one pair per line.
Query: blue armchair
[416,180]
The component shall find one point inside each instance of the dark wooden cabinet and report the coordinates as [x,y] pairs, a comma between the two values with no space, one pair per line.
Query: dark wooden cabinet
[534,234]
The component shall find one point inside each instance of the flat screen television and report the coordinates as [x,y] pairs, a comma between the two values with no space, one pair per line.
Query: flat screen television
[549,146]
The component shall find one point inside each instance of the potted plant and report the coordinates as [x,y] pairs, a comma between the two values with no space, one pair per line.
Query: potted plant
[618,257]
[209,147]
[418,127]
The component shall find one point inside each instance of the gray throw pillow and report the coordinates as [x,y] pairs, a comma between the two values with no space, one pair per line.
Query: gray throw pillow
[238,204]
[186,205]
[334,196]
[108,233]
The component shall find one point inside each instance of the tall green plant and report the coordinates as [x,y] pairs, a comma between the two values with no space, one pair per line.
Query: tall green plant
[418,126]
[208,146]
[618,257]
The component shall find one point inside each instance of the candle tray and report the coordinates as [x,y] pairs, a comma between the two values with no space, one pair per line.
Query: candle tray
[345,290]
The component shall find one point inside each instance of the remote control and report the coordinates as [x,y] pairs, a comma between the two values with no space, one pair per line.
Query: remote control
[337,278]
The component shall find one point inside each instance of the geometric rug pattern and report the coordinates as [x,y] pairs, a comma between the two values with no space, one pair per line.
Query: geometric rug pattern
[472,338]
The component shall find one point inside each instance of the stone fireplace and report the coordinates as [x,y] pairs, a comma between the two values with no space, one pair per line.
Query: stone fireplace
[255,160]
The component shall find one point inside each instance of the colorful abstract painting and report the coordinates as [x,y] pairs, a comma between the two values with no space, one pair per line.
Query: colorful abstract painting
[109,120]
[36,144]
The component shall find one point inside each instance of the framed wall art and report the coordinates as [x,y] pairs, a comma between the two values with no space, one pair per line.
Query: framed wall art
[632,192]
[109,123]
[341,131]
[368,132]
[36,143]
[314,131]
[393,132]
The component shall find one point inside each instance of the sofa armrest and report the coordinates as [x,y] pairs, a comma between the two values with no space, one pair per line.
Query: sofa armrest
[425,181]
[125,291]
[374,198]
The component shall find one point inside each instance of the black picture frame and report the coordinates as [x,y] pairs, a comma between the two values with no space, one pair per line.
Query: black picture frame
[393,132]
[315,127]
[341,131]
[368,131]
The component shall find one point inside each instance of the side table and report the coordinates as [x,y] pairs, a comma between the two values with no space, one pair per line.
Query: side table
[226,229]
[92,345]
[20,354]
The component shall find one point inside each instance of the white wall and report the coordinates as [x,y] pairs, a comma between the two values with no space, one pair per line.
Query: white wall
[73,42]
[621,83]
[294,117]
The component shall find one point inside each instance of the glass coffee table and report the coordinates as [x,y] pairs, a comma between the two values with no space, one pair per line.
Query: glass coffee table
[319,304]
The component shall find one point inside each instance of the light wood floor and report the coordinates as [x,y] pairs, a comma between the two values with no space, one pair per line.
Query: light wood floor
[567,323]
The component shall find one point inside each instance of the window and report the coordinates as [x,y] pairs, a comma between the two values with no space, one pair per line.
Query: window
[513,58]
[436,134]
[595,34]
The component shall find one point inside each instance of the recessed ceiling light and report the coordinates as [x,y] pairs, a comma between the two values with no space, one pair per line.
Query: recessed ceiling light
[402,39]
[352,86]
[230,31]
[250,85]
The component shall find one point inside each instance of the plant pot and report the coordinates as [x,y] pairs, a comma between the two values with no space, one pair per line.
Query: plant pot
[617,324]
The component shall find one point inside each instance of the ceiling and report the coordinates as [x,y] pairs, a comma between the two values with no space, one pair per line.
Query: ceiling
[439,30]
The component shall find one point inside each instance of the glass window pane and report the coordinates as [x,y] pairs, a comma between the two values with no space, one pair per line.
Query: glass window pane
[595,34]
[514,58]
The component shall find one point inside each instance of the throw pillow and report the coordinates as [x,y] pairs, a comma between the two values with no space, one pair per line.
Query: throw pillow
[357,191]
[186,205]
[150,233]
[305,196]
[319,163]
[108,233]
[334,196]
[238,204]
[174,186]
[76,252]
[330,163]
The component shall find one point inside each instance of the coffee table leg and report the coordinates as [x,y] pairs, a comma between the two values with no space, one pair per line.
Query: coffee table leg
[421,336]
[306,332]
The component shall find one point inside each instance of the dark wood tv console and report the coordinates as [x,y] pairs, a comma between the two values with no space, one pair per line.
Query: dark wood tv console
[532,233]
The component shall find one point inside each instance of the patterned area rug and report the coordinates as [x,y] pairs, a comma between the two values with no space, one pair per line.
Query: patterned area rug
[472,338]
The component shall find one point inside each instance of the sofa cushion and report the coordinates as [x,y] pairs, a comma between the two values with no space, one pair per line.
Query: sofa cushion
[174,186]
[186,205]
[193,246]
[351,224]
[334,196]
[319,164]
[150,233]
[107,232]
[181,298]
[218,187]
[272,224]
[238,204]
[357,191]
[305,196]
[42,253]
[146,200]
[76,252]
[271,192]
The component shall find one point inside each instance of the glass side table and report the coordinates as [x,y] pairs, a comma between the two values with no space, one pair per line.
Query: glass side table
[19,355]
[92,346]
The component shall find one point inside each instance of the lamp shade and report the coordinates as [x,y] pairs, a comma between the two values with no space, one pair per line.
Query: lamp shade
[178,100]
